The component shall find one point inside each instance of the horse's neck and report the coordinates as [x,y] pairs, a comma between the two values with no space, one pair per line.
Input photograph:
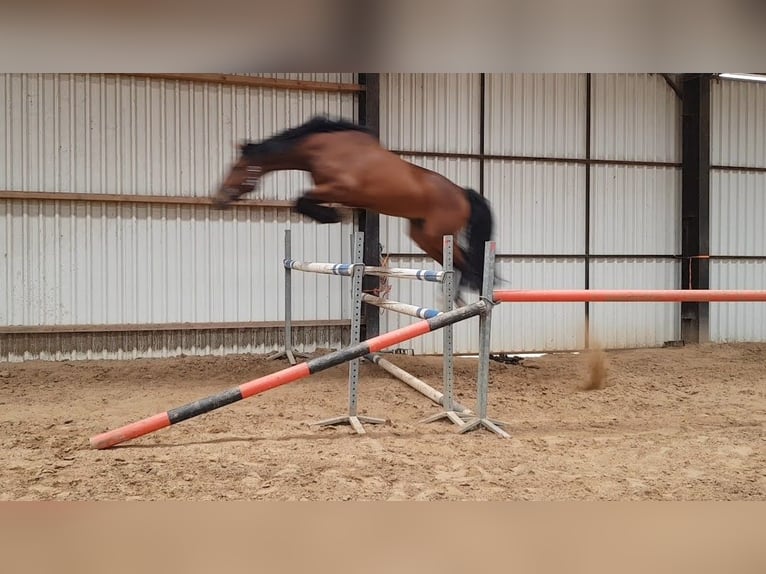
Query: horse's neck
[291,161]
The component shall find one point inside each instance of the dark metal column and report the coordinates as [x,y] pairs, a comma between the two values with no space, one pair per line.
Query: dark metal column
[695,204]
[369,221]
[588,136]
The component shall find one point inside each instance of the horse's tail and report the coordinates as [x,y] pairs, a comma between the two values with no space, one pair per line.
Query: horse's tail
[479,231]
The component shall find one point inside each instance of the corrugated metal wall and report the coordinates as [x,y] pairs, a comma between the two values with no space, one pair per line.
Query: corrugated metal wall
[93,263]
[568,215]
[635,209]
[534,169]
[539,205]
[107,134]
[737,206]
[427,113]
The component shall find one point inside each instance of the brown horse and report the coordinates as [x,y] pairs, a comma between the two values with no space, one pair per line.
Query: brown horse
[349,167]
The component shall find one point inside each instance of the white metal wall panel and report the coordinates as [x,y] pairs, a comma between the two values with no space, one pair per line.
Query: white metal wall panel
[736,322]
[628,325]
[430,112]
[93,263]
[737,205]
[128,135]
[738,123]
[539,207]
[737,213]
[635,117]
[541,115]
[635,210]
[539,326]
[527,115]
[76,263]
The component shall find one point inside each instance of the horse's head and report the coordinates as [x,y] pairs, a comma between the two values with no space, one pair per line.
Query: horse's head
[242,178]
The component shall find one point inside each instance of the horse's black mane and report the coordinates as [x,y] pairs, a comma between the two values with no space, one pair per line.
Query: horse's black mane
[283,141]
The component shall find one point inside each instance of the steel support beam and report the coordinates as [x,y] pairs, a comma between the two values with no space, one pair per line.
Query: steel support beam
[369,221]
[695,204]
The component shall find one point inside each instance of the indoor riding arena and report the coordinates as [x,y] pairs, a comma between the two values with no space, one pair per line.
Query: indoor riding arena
[155,346]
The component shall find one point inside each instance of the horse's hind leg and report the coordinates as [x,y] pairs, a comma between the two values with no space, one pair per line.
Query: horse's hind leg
[311,208]
[433,245]
[428,235]
[427,243]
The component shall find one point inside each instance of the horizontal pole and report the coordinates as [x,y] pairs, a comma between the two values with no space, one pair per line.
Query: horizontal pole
[347,269]
[528,158]
[288,375]
[139,327]
[415,383]
[143,199]
[626,295]
[255,82]
[134,198]
[403,308]
[755,169]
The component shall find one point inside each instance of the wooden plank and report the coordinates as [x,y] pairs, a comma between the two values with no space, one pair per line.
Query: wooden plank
[739,168]
[567,160]
[122,198]
[255,82]
[143,199]
[125,328]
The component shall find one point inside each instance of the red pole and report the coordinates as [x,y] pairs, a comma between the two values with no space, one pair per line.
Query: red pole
[625,295]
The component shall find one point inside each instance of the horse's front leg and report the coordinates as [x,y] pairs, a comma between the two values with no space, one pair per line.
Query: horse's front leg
[432,244]
[309,205]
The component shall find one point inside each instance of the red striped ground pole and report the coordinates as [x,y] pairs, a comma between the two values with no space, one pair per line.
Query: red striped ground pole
[288,375]
[626,295]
